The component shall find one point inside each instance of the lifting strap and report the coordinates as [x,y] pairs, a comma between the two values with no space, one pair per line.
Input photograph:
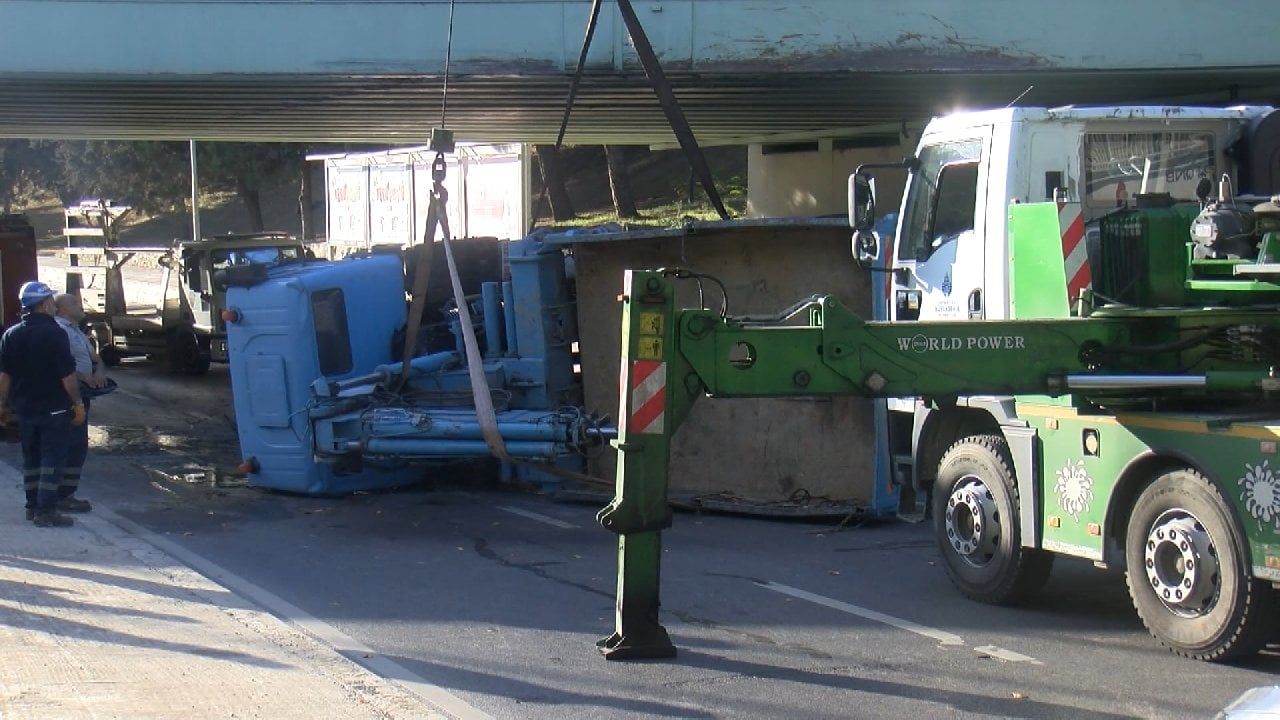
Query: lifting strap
[437,216]
[573,94]
[577,73]
[667,99]
[438,219]
[486,416]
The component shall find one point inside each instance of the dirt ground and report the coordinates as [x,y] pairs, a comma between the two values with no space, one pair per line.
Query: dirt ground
[175,420]
[176,417]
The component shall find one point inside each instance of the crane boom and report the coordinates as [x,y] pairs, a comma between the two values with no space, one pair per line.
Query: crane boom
[818,347]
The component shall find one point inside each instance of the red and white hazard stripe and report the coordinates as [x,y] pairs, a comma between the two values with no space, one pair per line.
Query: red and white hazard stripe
[648,397]
[1074,256]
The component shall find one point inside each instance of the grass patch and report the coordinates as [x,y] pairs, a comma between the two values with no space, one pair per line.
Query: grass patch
[661,212]
[661,216]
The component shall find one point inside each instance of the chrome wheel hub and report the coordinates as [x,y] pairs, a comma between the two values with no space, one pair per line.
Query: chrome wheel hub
[972,521]
[1182,563]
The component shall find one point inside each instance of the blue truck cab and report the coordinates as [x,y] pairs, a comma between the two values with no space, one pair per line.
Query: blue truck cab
[349,311]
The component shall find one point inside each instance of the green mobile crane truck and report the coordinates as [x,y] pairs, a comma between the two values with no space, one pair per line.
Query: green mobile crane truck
[1131,419]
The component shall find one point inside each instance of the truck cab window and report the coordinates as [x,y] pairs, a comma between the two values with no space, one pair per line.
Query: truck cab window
[942,197]
[1116,165]
[957,195]
[265,255]
[333,341]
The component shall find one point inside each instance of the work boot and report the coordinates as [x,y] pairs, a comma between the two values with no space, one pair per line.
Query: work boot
[51,518]
[73,505]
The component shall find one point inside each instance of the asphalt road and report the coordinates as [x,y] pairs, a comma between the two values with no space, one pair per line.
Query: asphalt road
[498,597]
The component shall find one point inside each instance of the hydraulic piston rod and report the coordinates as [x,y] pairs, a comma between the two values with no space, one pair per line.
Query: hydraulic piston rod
[1226,381]
[422,365]
[1134,382]
[437,447]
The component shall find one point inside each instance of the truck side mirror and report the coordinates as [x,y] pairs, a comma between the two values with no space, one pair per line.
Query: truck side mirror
[866,248]
[862,203]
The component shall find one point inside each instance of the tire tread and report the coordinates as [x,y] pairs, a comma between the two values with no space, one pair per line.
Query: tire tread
[1031,566]
[1256,623]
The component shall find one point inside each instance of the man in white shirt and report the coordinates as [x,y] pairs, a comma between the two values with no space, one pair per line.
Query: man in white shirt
[90,372]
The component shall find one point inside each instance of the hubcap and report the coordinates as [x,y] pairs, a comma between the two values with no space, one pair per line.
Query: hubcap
[1182,563]
[972,521]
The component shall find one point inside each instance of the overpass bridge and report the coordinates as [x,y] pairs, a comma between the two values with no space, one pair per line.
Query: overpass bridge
[743,70]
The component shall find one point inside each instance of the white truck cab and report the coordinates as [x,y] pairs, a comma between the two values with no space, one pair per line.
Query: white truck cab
[951,254]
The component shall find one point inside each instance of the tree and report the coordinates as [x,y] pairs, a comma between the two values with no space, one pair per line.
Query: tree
[146,175]
[24,165]
[304,203]
[624,201]
[553,182]
[247,168]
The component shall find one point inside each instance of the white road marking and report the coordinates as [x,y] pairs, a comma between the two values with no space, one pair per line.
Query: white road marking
[1000,653]
[943,637]
[538,517]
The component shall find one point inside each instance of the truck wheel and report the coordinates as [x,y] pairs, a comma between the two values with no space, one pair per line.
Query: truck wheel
[975,521]
[110,356]
[186,354]
[1188,571]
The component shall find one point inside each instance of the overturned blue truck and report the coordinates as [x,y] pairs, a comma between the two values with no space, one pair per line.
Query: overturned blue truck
[324,405]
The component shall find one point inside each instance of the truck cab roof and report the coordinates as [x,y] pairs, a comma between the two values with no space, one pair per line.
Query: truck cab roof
[260,238]
[1072,113]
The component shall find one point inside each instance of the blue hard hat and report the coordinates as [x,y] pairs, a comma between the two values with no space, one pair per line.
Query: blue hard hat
[33,293]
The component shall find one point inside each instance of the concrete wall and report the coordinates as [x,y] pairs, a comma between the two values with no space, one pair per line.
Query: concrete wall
[758,449]
[809,183]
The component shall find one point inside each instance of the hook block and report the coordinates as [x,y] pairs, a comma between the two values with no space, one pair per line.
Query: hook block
[441,140]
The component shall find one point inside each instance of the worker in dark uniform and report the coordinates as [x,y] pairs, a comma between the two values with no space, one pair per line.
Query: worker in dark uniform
[38,384]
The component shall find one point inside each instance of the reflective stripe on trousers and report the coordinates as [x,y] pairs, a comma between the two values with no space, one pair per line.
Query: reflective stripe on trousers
[45,439]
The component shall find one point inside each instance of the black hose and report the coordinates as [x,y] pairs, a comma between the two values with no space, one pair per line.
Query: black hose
[685,274]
